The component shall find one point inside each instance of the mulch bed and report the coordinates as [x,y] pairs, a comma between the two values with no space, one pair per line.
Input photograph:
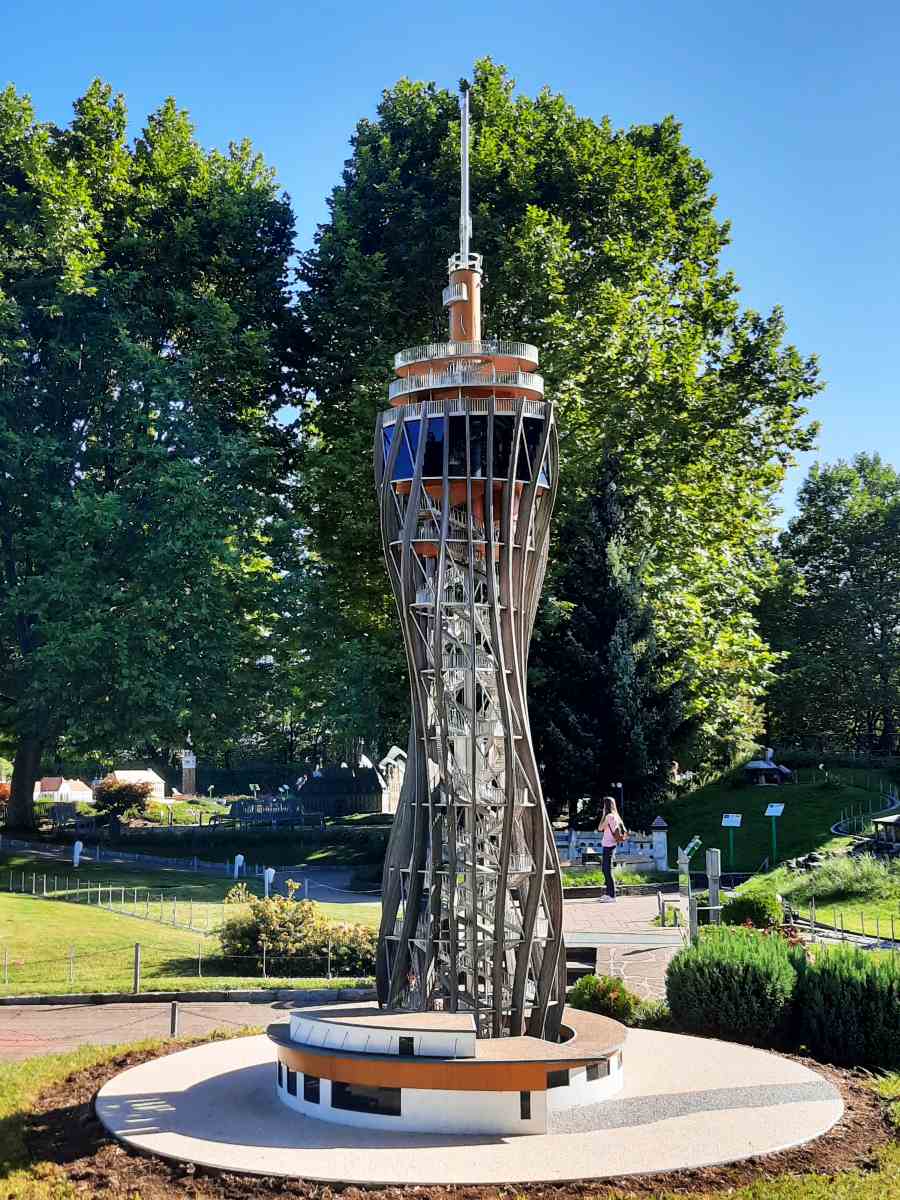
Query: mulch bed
[62,1129]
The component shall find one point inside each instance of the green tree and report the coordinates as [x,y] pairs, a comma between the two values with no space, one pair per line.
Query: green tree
[602,248]
[604,706]
[835,613]
[144,326]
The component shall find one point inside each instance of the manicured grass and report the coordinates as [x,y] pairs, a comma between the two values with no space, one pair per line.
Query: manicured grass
[183,893]
[810,810]
[856,912]
[38,935]
[593,877]
[23,1177]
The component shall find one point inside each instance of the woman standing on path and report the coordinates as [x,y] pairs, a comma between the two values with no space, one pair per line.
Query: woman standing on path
[613,829]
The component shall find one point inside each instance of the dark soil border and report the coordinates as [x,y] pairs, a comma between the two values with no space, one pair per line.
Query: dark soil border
[61,1128]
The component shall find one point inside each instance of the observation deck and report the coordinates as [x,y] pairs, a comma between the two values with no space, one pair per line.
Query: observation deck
[502,355]
[516,383]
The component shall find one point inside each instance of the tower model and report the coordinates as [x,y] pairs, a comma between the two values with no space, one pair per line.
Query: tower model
[466,464]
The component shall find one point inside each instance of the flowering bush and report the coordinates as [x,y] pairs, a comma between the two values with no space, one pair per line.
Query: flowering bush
[298,939]
[607,996]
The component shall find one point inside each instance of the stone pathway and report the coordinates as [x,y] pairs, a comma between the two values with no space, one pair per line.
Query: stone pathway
[29,1029]
[641,968]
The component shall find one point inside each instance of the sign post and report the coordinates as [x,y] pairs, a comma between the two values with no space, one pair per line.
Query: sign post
[774,811]
[731,822]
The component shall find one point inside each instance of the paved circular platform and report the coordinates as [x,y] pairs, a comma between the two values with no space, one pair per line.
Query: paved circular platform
[687,1102]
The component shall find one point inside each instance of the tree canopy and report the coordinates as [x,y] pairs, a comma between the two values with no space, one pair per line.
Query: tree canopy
[835,614]
[145,334]
[601,247]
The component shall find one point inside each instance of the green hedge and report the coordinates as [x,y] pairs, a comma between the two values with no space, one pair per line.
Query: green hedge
[847,1008]
[761,909]
[733,984]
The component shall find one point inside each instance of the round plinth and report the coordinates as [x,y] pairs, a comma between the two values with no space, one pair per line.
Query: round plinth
[687,1102]
[397,1071]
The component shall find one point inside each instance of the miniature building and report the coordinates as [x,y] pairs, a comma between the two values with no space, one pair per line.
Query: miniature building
[61,790]
[887,830]
[157,784]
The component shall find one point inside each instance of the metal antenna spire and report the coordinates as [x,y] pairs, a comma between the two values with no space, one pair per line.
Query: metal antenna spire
[465,217]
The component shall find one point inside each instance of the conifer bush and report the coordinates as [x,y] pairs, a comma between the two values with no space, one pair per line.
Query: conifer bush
[847,1008]
[735,983]
[761,909]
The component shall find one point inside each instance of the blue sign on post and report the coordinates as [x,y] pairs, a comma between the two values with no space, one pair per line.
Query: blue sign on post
[774,811]
[731,822]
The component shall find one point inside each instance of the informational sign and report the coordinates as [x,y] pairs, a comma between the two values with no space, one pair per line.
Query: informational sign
[774,810]
[189,760]
[731,820]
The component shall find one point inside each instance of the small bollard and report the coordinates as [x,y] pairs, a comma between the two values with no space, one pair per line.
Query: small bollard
[173,1019]
[137,968]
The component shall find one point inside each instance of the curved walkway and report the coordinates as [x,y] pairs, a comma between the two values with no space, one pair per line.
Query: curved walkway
[687,1102]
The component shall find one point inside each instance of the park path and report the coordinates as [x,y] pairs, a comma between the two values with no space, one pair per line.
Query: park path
[29,1029]
[642,967]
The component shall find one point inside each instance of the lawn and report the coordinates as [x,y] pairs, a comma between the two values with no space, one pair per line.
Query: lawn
[811,808]
[854,893]
[593,877]
[174,895]
[38,937]
[24,1177]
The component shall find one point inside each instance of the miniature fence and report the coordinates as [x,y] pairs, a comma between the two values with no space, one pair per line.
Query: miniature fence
[831,922]
[163,906]
[858,819]
[97,853]
[137,969]
[158,905]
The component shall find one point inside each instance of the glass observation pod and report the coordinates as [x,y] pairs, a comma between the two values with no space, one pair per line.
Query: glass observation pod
[460,464]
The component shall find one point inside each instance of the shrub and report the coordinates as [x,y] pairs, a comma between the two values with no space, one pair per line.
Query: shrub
[297,936]
[735,983]
[847,1007]
[760,909]
[702,899]
[607,996]
[239,894]
[113,798]
[860,877]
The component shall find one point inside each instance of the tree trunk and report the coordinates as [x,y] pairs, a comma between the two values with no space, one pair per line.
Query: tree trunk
[26,769]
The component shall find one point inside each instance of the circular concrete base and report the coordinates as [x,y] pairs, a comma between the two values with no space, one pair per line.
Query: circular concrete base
[687,1102]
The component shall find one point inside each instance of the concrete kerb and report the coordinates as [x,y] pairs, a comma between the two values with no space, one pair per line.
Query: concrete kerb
[300,996]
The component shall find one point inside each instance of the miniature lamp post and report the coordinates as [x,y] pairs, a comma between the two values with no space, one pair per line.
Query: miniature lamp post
[621,797]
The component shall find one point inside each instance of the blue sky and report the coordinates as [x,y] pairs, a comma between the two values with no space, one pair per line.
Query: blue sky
[795,108]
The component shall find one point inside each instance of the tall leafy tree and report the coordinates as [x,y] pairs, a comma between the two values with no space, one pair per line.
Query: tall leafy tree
[602,247]
[835,613]
[144,326]
[606,701]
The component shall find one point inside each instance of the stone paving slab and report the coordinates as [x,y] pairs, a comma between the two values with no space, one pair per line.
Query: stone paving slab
[687,1102]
